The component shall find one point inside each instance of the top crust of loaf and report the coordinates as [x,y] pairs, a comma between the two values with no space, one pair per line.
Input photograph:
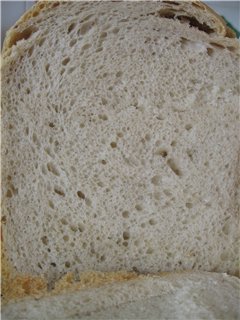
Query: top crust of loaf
[200,12]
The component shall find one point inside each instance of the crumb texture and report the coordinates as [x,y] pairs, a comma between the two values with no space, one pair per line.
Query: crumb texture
[120,144]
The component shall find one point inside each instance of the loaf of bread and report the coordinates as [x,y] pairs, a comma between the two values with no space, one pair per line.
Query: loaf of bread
[120,139]
[182,296]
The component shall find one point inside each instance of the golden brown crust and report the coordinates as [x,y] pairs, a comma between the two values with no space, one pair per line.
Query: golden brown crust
[17,286]
[219,24]
[14,285]
[34,11]
[230,33]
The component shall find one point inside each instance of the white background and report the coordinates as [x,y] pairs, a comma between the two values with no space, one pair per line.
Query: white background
[12,10]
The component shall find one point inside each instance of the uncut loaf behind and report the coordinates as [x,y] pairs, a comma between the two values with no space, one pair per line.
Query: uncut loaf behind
[199,295]
[120,139]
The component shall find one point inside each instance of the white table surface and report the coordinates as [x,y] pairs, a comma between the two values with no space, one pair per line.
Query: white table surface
[12,10]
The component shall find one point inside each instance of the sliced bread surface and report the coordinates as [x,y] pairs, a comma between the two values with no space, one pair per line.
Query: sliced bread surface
[200,295]
[120,145]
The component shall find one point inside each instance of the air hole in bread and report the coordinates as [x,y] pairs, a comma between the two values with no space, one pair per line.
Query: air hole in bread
[67,264]
[138,207]
[102,258]
[210,51]
[86,46]
[115,30]
[35,139]
[74,228]
[35,13]
[156,180]
[189,205]
[104,101]
[152,222]
[81,227]
[49,152]
[103,117]
[103,35]
[99,49]
[162,152]
[44,171]
[100,184]
[47,68]
[23,35]
[52,168]
[45,240]
[30,51]
[190,154]
[71,27]
[171,2]
[72,42]
[192,21]
[59,191]
[173,166]
[51,205]
[167,193]
[65,61]
[149,251]
[166,13]
[147,137]
[198,6]
[9,194]
[41,41]
[70,70]
[119,74]
[125,214]
[232,49]
[81,195]
[217,45]
[188,127]
[226,228]
[224,256]
[55,4]
[206,164]
[126,235]
[66,238]
[64,221]
[143,225]
[85,27]
[113,145]
[119,134]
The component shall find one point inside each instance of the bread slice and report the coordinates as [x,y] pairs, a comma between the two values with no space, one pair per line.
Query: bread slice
[176,296]
[120,147]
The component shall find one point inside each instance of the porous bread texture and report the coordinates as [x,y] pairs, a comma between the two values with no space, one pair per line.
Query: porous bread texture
[176,296]
[120,146]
